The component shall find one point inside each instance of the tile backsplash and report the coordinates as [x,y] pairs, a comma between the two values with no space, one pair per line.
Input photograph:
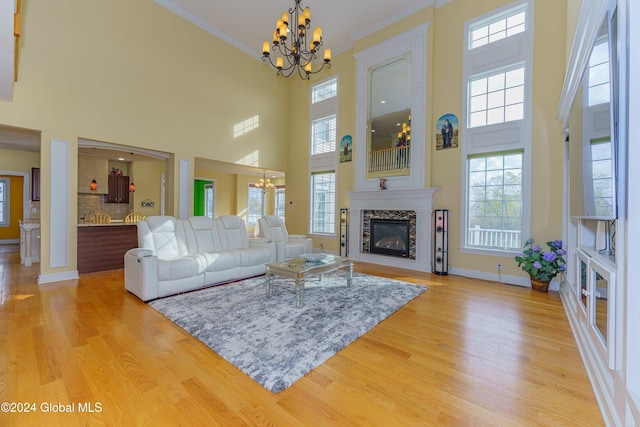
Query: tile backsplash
[88,203]
[34,210]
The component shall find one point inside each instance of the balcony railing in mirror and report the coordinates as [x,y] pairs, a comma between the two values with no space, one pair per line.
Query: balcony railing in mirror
[390,161]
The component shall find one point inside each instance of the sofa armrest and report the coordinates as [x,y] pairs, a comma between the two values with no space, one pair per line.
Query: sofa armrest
[139,253]
[259,240]
[265,243]
[141,273]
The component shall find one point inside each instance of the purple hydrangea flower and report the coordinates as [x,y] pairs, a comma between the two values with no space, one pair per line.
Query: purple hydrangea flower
[557,244]
[537,265]
[549,256]
[562,252]
[537,248]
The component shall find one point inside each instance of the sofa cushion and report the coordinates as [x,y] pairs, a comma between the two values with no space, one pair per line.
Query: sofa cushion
[217,261]
[272,227]
[202,235]
[164,235]
[254,256]
[180,268]
[233,232]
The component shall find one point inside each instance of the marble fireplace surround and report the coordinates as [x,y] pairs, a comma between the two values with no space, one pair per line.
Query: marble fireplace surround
[419,200]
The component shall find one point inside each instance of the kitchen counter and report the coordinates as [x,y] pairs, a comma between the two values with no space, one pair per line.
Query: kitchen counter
[112,223]
[102,246]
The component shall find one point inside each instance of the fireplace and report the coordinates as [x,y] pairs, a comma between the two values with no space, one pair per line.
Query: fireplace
[390,237]
[414,205]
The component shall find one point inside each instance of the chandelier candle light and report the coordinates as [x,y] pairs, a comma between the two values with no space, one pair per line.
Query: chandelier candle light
[265,183]
[291,43]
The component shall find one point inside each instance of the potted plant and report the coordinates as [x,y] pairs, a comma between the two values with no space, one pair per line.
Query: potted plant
[541,265]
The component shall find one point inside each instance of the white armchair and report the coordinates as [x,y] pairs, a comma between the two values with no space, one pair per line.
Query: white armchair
[287,245]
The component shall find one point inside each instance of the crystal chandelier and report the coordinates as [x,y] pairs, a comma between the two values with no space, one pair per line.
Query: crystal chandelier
[291,43]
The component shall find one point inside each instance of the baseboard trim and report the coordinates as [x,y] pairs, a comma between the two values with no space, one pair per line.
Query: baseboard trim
[502,278]
[58,277]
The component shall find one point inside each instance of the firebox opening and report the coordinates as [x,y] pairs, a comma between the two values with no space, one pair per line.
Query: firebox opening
[390,237]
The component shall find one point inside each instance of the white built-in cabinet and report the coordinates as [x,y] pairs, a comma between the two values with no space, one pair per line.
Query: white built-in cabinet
[591,283]
[599,289]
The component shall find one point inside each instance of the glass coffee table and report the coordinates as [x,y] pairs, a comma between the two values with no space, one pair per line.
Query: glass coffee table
[300,269]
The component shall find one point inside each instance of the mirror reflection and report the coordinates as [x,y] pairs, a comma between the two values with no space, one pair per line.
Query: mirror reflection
[583,284]
[591,145]
[389,121]
[601,294]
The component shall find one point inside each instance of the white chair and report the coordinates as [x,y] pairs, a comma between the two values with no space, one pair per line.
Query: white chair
[287,245]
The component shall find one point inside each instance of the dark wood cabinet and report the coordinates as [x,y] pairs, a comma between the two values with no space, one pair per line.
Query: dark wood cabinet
[35,184]
[118,189]
[102,247]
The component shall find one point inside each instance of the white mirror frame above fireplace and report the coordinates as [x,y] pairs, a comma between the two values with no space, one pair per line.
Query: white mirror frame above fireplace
[413,41]
[403,193]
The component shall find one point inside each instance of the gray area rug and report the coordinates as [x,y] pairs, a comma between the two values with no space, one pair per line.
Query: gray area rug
[271,340]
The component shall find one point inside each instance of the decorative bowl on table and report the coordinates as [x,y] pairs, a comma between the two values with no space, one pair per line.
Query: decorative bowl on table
[313,257]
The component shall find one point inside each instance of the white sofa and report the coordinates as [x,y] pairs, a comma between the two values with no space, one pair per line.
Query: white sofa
[176,255]
[287,245]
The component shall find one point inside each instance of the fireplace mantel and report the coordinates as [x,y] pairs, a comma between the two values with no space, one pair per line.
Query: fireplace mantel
[419,200]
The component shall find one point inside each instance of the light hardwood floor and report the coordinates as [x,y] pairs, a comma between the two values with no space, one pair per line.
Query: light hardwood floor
[464,353]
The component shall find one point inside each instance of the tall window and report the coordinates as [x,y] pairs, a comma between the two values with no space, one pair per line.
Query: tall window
[602,173]
[325,90]
[498,27]
[323,194]
[209,200]
[598,74]
[496,163]
[255,204]
[494,202]
[4,201]
[279,202]
[496,98]
[323,135]
[323,113]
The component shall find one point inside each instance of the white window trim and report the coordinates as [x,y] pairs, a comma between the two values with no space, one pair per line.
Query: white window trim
[323,161]
[5,220]
[249,187]
[466,226]
[494,17]
[280,189]
[311,200]
[501,136]
[213,208]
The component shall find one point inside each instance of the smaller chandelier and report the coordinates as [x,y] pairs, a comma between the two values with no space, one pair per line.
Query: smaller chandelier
[294,46]
[265,183]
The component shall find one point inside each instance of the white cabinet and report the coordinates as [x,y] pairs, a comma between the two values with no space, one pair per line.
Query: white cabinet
[596,293]
[29,243]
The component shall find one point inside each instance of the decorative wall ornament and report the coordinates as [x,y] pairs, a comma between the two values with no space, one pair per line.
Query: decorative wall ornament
[447,132]
[346,149]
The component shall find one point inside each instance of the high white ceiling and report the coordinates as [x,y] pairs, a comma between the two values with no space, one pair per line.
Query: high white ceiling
[246,24]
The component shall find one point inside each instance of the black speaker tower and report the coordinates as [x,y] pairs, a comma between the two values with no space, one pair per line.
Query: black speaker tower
[440,244]
[344,232]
